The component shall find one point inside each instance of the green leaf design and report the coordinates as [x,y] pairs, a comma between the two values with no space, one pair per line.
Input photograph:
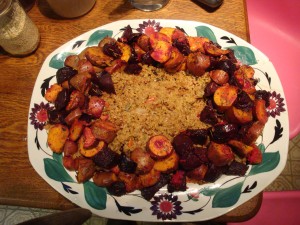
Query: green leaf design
[205,31]
[227,197]
[262,147]
[269,162]
[209,191]
[98,36]
[56,171]
[57,61]
[95,196]
[57,157]
[244,54]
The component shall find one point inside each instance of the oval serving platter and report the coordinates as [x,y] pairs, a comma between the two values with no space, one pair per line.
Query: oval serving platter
[198,202]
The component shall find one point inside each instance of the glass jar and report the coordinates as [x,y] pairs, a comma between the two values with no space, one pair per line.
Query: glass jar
[19,36]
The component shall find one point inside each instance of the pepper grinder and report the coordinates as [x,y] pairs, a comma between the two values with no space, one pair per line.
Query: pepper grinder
[19,36]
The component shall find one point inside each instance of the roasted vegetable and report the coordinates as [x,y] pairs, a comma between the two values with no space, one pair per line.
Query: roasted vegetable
[159,147]
[143,160]
[57,137]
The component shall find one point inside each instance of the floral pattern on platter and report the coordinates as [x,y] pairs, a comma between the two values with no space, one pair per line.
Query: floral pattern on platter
[224,193]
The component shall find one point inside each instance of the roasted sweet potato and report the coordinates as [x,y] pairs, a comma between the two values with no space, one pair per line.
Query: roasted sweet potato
[168,164]
[196,43]
[52,92]
[239,116]
[95,106]
[132,182]
[225,96]
[259,111]
[243,79]
[159,147]
[70,148]
[197,63]
[85,66]
[89,139]
[254,156]
[70,163]
[198,173]
[73,115]
[162,51]
[126,51]
[149,179]
[220,154]
[219,76]
[81,81]
[92,151]
[57,136]
[72,61]
[104,130]
[143,42]
[213,50]
[253,132]
[143,160]
[104,178]
[97,57]
[240,148]
[76,129]
[174,61]
[86,170]
[77,100]
[106,40]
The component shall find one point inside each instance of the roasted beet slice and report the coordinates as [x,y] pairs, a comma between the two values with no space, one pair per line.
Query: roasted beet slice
[182,144]
[209,115]
[198,136]
[112,50]
[210,89]
[177,182]
[237,169]
[106,158]
[55,116]
[65,73]
[126,164]
[62,99]
[105,82]
[117,188]
[243,101]
[263,94]
[149,192]
[213,173]
[221,133]
[133,68]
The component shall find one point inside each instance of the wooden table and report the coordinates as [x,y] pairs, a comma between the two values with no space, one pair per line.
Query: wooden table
[19,183]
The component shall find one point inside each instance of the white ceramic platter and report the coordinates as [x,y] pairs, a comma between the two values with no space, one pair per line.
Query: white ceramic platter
[198,203]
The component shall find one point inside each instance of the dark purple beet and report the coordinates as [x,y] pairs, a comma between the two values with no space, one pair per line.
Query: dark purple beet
[133,69]
[222,133]
[105,82]
[182,144]
[182,46]
[210,89]
[112,50]
[198,136]
[126,164]
[117,188]
[243,101]
[237,169]
[209,115]
[149,192]
[213,173]
[65,73]
[106,158]
[263,94]
[62,99]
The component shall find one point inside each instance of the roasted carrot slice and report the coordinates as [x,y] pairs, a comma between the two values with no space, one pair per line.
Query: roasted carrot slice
[159,147]
[225,96]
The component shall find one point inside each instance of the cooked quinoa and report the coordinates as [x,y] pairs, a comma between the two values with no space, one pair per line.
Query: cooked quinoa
[154,102]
